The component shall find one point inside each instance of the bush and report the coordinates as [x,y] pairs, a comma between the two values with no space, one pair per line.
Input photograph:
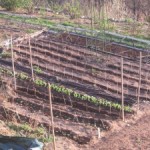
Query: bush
[10,4]
[28,5]
[57,8]
[14,4]
[73,9]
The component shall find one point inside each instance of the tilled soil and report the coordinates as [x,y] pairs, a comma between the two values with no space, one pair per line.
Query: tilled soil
[97,74]
[81,69]
[132,135]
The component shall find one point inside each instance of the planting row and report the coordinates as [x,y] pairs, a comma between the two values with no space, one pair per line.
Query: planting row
[76,39]
[69,92]
[61,111]
[113,81]
[78,132]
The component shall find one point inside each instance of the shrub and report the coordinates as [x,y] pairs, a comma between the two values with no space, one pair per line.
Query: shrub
[73,9]
[14,4]
[57,8]
[28,5]
[10,4]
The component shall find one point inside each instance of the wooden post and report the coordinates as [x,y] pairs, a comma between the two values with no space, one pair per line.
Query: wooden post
[51,113]
[13,63]
[122,89]
[99,133]
[99,15]
[31,61]
[139,85]
[92,19]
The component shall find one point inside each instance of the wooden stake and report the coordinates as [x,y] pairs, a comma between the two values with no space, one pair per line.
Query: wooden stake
[31,61]
[13,63]
[51,113]
[99,133]
[92,19]
[139,85]
[122,89]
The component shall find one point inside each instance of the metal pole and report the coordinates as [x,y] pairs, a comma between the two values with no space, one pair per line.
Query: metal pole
[13,63]
[122,89]
[51,113]
[139,85]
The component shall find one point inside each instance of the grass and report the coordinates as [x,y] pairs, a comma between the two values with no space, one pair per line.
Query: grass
[36,21]
[106,36]
[100,34]
[5,55]
[30,31]
[69,24]
[27,131]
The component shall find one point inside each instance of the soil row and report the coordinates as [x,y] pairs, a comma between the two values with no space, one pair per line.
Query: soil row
[86,41]
[76,131]
[63,112]
[100,79]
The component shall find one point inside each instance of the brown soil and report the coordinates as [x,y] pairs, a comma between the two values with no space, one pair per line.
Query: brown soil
[4,130]
[134,134]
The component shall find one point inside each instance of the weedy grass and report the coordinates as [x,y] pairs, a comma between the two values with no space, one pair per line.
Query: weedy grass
[47,23]
[5,55]
[26,130]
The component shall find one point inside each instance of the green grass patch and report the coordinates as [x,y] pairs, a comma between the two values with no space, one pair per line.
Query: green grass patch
[25,129]
[5,55]
[36,21]
[100,34]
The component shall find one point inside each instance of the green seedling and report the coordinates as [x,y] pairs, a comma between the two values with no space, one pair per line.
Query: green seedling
[37,69]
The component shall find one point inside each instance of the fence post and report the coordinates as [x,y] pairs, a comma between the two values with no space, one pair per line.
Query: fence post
[122,89]
[139,85]
[92,16]
[31,61]
[13,63]
[51,113]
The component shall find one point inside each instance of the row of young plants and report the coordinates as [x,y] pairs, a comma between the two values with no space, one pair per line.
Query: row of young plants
[70,92]
[32,132]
